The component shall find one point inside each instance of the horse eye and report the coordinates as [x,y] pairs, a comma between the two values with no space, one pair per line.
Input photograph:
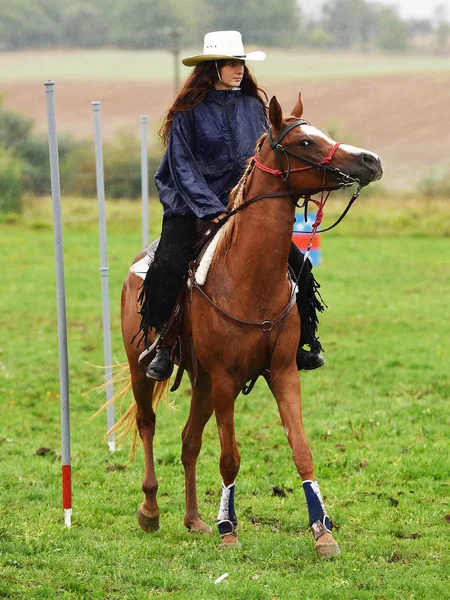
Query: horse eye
[304,143]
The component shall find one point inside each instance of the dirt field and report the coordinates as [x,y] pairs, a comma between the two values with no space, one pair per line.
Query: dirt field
[401,117]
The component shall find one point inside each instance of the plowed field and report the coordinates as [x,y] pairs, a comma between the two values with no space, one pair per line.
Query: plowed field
[404,118]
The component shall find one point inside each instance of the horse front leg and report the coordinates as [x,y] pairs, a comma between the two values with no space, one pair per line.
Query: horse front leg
[200,412]
[285,386]
[225,391]
[148,513]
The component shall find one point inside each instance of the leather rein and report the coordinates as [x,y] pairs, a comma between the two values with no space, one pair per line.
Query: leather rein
[344,181]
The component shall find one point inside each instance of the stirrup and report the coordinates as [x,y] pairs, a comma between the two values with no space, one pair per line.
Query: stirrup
[161,367]
[146,352]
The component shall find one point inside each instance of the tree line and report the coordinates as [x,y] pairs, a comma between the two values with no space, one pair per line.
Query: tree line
[147,24]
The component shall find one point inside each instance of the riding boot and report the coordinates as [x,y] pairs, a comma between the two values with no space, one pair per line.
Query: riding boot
[161,366]
[308,360]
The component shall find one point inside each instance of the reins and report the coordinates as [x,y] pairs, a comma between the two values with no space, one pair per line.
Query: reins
[344,181]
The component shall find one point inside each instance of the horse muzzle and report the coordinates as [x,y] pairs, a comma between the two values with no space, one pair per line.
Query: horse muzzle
[372,165]
[362,165]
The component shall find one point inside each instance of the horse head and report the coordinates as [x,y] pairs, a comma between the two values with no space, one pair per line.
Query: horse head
[309,159]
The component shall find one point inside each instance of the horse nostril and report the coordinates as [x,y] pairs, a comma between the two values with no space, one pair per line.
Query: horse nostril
[371,161]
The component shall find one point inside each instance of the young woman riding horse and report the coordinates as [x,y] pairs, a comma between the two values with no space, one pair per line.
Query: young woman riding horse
[210,132]
[240,324]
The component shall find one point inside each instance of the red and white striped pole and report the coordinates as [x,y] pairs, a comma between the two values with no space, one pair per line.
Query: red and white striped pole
[60,303]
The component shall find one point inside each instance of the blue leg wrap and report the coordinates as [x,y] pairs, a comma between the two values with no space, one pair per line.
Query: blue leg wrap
[226,519]
[316,508]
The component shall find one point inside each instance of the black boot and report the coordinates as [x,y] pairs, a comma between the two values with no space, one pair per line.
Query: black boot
[307,361]
[161,366]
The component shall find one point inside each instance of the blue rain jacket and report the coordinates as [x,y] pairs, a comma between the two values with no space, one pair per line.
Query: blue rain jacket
[207,153]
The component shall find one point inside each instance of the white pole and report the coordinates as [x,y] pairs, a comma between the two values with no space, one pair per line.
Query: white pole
[104,271]
[60,303]
[144,180]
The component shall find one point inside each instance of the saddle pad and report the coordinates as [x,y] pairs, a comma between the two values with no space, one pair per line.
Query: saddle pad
[206,259]
[141,267]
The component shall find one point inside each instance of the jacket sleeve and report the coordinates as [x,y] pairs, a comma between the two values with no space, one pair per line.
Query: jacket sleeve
[189,182]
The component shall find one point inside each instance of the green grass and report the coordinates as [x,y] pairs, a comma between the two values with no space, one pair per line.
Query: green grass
[280,65]
[376,416]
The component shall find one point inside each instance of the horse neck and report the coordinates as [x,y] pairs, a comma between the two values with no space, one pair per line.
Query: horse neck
[261,242]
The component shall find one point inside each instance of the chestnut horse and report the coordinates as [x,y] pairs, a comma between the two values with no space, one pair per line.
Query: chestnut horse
[248,280]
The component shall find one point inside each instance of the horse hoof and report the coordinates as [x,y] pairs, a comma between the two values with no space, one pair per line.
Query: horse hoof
[199,527]
[327,549]
[146,522]
[229,542]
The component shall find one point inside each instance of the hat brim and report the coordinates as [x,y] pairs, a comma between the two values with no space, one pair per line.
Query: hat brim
[195,60]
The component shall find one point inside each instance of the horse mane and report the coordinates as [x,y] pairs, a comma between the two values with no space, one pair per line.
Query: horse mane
[237,193]
[236,198]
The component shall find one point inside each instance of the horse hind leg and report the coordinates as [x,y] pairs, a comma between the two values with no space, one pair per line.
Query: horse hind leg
[143,389]
[200,412]
[148,512]
[285,387]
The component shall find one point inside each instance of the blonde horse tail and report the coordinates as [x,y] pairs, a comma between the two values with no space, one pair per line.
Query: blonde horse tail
[161,392]
[127,421]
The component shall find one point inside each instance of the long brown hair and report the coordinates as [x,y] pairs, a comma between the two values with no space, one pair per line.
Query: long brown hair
[196,86]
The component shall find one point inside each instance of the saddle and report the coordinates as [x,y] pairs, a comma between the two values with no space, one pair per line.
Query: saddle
[206,232]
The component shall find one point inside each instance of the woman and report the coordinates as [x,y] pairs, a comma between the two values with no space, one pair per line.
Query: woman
[209,133]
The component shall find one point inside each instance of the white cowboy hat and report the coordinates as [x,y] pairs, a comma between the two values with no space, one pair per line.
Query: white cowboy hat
[220,45]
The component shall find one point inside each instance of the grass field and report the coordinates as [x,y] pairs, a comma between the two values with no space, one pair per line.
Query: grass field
[280,65]
[376,416]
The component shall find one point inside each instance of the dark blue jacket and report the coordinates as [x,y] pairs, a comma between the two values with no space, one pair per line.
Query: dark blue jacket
[207,153]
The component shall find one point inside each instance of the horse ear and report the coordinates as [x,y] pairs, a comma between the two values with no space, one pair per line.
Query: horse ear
[297,111]
[275,114]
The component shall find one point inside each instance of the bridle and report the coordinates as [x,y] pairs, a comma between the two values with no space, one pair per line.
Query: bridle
[343,180]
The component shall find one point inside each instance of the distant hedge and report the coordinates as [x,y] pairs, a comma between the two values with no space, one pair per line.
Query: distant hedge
[24,164]
[122,168]
[436,184]
[11,169]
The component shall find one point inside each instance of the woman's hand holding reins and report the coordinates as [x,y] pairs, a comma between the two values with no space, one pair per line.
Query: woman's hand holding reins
[219,218]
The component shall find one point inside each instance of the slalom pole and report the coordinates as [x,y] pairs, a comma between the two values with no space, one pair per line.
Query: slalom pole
[144,180]
[104,271]
[60,303]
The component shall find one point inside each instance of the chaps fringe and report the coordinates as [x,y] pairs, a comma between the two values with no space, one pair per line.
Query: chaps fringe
[310,324]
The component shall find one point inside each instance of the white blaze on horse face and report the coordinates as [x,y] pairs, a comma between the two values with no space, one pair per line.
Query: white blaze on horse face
[357,151]
[347,148]
[314,132]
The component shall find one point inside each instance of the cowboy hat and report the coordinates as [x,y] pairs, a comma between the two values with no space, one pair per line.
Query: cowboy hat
[220,45]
